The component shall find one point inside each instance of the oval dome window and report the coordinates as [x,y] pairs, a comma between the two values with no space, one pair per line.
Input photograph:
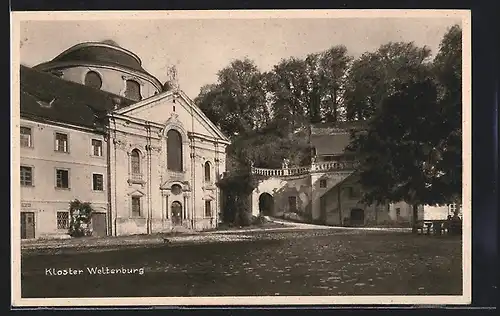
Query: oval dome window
[93,79]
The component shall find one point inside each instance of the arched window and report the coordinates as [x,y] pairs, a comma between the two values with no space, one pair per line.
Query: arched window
[207,171]
[133,90]
[174,150]
[135,162]
[93,79]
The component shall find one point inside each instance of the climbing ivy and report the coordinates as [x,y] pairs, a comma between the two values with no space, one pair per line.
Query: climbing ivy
[237,189]
[80,216]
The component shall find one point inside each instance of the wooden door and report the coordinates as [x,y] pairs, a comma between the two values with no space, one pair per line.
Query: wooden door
[357,217]
[176,211]
[99,224]
[27,225]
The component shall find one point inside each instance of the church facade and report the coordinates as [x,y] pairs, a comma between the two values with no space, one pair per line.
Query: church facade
[165,159]
[107,132]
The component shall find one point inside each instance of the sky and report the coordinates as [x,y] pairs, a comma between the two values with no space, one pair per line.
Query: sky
[199,48]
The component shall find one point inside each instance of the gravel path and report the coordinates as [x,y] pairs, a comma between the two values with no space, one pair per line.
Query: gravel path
[234,235]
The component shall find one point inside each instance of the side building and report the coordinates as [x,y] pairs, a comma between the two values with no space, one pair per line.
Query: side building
[63,154]
[325,192]
[328,191]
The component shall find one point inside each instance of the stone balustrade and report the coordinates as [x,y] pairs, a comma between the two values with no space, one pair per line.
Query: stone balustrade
[314,167]
[334,165]
[269,172]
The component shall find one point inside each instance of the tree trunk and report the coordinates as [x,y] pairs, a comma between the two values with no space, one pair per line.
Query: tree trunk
[415,219]
[334,106]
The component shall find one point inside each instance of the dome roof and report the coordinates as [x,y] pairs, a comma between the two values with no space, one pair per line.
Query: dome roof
[105,53]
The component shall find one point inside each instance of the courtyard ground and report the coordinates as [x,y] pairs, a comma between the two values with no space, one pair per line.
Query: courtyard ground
[266,262]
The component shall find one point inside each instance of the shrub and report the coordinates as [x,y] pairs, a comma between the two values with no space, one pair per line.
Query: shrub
[259,220]
[237,189]
[80,217]
[244,218]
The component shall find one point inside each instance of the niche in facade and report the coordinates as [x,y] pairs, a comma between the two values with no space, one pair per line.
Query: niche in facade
[176,189]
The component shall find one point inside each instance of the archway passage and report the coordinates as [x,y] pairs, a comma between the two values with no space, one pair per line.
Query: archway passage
[266,204]
[357,217]
[176,212]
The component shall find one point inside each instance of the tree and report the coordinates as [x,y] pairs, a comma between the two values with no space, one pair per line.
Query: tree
[310,90]
[237,102]
[268,147]
[372,76]
[398,150]
[267,115]
[237,189]
[334,64]
[411,150]
[447,67]
[288,86]
[315,86]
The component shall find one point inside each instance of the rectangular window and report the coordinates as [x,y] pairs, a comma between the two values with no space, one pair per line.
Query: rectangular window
[208,209]
[97,148]
[353,192]
[26,176]
[25,136]
[62,179]
[62,220]
[322,183]
[136,206]
[97,182]
[62,142]
[398,212]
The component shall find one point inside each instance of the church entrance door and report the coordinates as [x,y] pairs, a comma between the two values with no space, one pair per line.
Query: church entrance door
[176,211]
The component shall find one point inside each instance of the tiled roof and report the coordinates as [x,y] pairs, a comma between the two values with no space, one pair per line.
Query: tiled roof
[340,127]
[330,144]
[45,96]
[333,138]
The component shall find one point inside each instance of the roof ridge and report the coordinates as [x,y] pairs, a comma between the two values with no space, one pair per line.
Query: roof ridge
[102,44]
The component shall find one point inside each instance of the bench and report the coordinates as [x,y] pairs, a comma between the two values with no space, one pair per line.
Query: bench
[437,227]
[420,227]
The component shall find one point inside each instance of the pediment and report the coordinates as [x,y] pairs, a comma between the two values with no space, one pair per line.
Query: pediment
[167,185]
[136,193]
[178,110]
[208,197]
